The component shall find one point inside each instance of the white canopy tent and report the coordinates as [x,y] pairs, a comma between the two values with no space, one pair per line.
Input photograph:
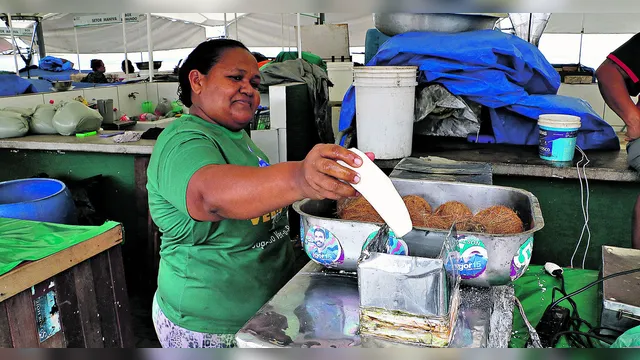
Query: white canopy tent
[186,30]
[604,23]
[59,35]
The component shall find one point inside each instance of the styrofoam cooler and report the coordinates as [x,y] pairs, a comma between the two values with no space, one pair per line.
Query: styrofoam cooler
[385,100]
[341,75]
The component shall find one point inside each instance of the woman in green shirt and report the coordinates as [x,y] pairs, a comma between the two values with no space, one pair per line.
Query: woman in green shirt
[220,205]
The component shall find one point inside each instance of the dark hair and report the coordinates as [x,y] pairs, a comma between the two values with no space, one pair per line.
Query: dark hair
[202,58]
[95,64]
[130,65]
[259,57]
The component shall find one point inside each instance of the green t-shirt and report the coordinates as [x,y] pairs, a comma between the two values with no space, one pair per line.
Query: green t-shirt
[214,276]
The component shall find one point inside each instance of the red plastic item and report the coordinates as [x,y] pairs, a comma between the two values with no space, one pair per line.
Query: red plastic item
[51,101]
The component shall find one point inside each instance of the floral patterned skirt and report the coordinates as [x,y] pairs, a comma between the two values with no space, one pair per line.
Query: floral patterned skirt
[174,336]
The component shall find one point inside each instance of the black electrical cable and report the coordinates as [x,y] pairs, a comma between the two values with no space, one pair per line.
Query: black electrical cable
[588,286]
[597,337]
[575,336]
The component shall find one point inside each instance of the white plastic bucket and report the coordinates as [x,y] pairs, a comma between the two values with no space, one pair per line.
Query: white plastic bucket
[385,100]
[341,75]
[558,134]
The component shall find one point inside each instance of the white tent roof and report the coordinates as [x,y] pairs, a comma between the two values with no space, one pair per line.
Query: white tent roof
[603,23]
[168,34]
[186,30]
[204,19]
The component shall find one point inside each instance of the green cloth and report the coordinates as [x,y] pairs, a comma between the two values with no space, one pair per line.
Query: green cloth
[630,338]
[213,276]
[534,289]
[96,78]
[292,55]
[25,240]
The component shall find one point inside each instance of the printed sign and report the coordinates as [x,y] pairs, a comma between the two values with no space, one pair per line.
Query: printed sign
[16,32]
[47,315]
[395,246]
[104,19]
[323,247]
[473,258]
[521,261]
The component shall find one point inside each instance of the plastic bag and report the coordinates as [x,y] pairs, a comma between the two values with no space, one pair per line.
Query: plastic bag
[440,113]
[13,124]
[24,111]
[631,338]
[74,117]
[163,108]
[42,120]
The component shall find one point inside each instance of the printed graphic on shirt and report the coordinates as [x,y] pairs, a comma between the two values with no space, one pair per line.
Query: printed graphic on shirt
[275,236]
[261,162]
[323,247]
[268,217]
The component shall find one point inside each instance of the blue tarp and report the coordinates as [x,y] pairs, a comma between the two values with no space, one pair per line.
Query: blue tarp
[12,84]
[51,75]
[497,70]
[52,63]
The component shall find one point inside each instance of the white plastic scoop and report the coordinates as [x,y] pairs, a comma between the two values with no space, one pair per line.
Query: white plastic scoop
[378,189]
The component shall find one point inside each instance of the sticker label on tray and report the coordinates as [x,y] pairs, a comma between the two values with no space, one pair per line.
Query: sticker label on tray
[473,258]
[323,247]
[521,261]
[395,246]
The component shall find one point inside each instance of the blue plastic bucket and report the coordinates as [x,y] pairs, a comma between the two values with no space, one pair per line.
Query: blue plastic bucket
[46,200]
[558,134]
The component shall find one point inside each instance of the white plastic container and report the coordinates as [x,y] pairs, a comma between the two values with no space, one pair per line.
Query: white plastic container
[341,75]
[558,134]
[385,100]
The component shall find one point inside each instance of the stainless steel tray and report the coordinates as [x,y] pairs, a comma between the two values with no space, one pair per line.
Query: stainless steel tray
[319,308]
[486,259]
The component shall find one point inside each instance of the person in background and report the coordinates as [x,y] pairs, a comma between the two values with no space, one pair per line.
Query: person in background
[129,66]
[221,206]
[261,59]
[97,75]
[619,80]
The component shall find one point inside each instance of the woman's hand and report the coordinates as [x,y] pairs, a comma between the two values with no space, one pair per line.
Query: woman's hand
[321,177]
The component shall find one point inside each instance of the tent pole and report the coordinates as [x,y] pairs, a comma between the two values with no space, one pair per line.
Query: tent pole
[124,41]
[235,20]
[150,46]
[40,33]
[15,45]
[282,30]
[299,39]
[226,36]
[289,31]
[75,33]
[581,36]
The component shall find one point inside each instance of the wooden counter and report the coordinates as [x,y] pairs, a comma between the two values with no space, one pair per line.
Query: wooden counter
[92,144]
[513,160]
[91,307]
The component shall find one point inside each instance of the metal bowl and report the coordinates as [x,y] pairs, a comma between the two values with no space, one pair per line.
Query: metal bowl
[62,85]
[489,259]
[392,24]
[144,65]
